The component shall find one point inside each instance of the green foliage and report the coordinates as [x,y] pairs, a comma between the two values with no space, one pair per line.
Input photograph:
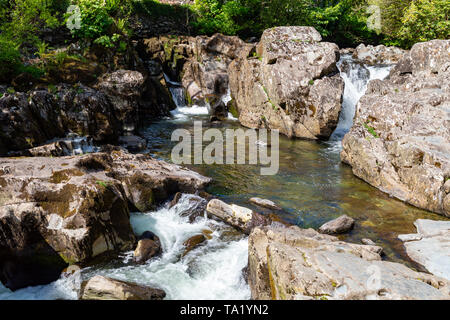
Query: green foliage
[403,22]
[104,23]
[425,20]
[22,20]
[342,21]
[371,130]
[10,62]
[104,184]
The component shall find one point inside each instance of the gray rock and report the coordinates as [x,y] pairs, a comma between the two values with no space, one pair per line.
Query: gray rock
[430,228]
[288,82]
[294,263]
[147,249]
[373,55]
[133,143]
[399,141]
[368,242]
[264,203]
[239,217]
[430,247]
[409,237]
[104,288]
[339,225]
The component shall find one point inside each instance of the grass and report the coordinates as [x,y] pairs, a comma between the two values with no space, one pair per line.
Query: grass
[371,130]
[104,184]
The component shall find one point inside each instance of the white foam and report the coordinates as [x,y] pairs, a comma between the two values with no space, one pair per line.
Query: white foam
[210,271]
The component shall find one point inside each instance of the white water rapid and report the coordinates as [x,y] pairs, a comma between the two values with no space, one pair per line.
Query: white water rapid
[211,271]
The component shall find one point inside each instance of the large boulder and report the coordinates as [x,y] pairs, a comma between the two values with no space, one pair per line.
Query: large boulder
[400,138]
[430,246]
[288,82]
[294,263]
[104,288]
[59,211]
[124,88]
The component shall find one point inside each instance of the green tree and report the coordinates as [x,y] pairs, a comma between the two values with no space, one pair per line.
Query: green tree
[425,20]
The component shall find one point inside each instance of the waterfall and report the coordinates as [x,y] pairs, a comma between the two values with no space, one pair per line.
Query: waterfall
[356,76]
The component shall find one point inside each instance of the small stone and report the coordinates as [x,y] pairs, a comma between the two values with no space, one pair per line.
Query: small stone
[339,225]
[264,203]
[146,249]
[368,242]
[133,143]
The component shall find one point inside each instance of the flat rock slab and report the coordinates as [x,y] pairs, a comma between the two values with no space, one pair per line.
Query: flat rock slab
[293,263]
[430,247]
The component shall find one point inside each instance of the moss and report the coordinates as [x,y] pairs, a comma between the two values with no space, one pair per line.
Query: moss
[273,289]
[64,175]
[270,101]
[189,99]
[370,129]
[233,110]
[311,82]
[57,202]
[104,184]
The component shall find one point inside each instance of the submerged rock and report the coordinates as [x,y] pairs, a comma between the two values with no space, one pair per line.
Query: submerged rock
[400,138]
[294,263]
[104,288]
[133,143]
[430,247]
[339,225]
[59,211]
[264,203]
[290,82]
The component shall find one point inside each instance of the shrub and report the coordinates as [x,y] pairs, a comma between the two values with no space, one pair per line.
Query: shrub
[9,59]
[425,20]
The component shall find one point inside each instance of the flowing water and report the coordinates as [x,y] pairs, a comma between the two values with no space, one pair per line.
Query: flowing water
[312,186]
